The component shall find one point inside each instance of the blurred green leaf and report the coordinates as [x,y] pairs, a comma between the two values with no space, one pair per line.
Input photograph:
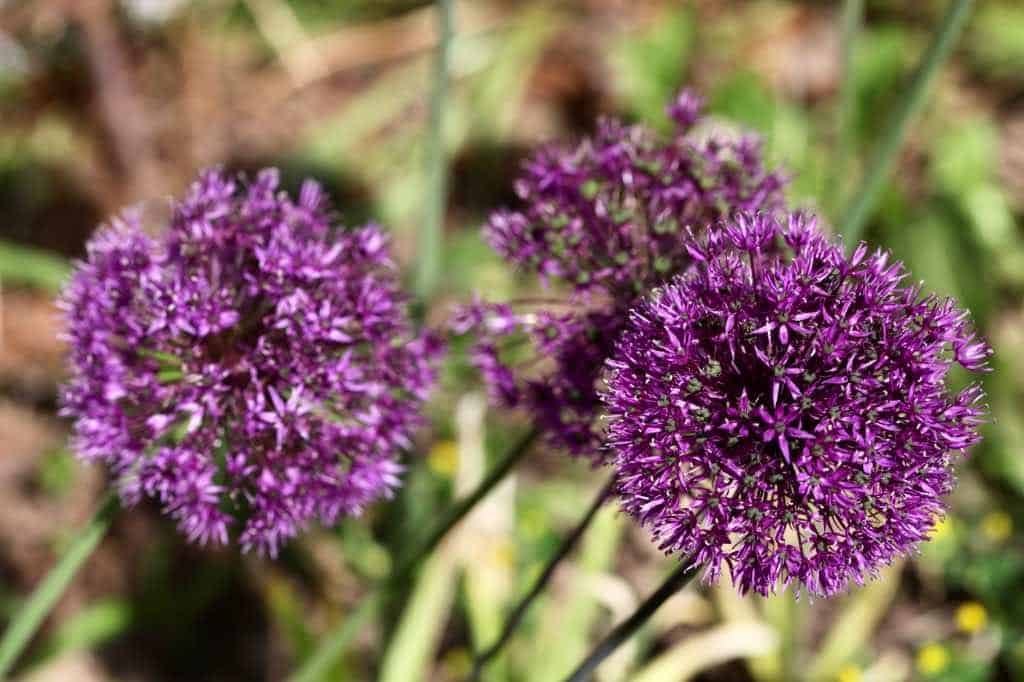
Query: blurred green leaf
[990,575]
[787,616]
[649,65]
[787,131]
[94,625]
[491,104]
[343,140]
[704,650]
[938,251]
[1001,449]
[744,98]
[994,43]
[317,13]
[412,649]
[894,132]
[24,265]
[568,614]
[880,61]
[855,624]
[286,609]
[966,167]
[472,265]
[362,551]
[962,669]
[965,155]
[735,607]
[57,471]
[34,610]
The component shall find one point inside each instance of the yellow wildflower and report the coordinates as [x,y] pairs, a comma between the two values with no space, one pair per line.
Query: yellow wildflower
[997,526]
[850,673]
[942,528]
[932,659]
[971,617]
[444,458]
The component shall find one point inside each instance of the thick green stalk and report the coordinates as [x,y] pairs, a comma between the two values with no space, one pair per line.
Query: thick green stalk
[624,630]
[432,232]
[851,21]
[517,614]
[860,208]
[332,646]
[45,596]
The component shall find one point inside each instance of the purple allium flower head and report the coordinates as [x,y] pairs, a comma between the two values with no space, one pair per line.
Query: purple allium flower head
[604,220]
[782,408]
[247,367]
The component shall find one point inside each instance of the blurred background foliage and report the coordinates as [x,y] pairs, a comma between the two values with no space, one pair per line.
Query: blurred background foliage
[106,103]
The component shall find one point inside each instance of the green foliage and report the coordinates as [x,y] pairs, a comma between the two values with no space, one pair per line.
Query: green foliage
[994,43]
[649,65]
[26,266]
[880,62]
[744,98]
[28,617]
[96,624]
[947,212]
[324,15]
[412,647]
[57,472]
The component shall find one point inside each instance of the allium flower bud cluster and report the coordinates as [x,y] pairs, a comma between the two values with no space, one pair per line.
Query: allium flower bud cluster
[606,220]
[782,409]
[249,367]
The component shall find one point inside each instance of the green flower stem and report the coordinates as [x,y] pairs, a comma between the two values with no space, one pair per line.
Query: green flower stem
[516,616]
[331,647]
[432,232]
[624,630]
[850,25]
[28,619]
[864,201]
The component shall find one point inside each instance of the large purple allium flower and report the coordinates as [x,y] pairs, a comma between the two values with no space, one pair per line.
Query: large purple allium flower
[782,408]
[248,366]
[603,221]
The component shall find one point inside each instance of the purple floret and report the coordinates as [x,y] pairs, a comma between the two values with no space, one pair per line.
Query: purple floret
[782,409]
[603,222]
[249,367]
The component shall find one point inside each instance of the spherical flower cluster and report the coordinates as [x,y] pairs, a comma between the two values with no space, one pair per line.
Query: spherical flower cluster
[782,409]
[249,366]
[605,220]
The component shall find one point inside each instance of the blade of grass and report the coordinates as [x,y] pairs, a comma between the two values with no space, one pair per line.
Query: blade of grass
[737,608]
[465,505]
[519,612]
[28,619]
[429,269]
[318,665]
[415,641]
[850,25]
[704,650]
[676,581]
[860,208]
[485,546]
[567,616]
[412,646]
[856,623]
[94,625]
[32,267]
[788,617]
